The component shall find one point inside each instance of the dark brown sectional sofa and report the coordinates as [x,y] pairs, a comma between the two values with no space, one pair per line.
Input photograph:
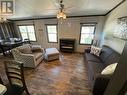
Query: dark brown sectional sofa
[95,65]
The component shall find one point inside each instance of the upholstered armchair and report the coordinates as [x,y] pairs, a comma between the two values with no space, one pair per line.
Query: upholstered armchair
[30,55]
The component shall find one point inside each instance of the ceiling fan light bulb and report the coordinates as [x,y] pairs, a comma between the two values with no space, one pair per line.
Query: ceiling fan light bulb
[61,14]
[64,16]
[58,16]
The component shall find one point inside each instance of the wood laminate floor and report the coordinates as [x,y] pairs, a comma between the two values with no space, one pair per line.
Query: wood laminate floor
[67,76]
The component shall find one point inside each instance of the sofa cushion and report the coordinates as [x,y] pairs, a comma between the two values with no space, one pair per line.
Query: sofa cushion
[37,55]
[105,53]
[95,67]
[26,49]
[113,58]
[91,57]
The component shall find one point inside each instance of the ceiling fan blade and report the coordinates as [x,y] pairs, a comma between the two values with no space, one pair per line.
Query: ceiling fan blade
[57,4]
[51,9]
[70,6]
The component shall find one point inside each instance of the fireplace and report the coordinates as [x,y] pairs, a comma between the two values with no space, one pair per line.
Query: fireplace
[67,45]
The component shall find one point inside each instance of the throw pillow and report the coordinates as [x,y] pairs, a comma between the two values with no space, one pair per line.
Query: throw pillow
[36,48]
[26,49]
[109,69]
[95,50]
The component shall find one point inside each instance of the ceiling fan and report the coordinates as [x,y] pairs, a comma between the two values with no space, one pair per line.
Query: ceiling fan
[61,9]
[60,4]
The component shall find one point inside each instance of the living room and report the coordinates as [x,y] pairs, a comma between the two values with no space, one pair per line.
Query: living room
[62,68]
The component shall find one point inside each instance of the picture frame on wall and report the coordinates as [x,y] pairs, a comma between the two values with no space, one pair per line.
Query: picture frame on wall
[121,30]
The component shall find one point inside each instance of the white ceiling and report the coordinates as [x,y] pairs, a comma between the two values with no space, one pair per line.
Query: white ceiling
[47,8]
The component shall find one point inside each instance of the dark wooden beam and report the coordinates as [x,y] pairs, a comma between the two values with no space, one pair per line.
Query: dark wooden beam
[22,19]
[115,7]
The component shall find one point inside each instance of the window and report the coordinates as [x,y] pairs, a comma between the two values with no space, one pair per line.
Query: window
[52,33]
[87,33]
[27,32]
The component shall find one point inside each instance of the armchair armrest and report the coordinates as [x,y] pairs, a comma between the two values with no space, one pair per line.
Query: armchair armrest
[27,55]
[37,48]
[27,59]
[100,84]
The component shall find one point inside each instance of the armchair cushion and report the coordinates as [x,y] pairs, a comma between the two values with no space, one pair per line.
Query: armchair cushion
[37,55]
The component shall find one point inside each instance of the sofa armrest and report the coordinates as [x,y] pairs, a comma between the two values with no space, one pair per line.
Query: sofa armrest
[87,50]
[1,82]
[100,84]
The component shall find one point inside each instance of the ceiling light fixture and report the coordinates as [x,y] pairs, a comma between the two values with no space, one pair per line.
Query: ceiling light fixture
[61,14]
